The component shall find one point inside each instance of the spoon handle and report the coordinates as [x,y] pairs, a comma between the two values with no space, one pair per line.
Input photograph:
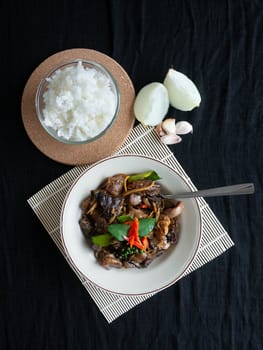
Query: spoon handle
[232,190]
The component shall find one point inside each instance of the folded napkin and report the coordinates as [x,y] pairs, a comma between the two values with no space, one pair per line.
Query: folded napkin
[47,204]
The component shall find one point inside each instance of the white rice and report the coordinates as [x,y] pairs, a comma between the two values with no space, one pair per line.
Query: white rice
[79,103]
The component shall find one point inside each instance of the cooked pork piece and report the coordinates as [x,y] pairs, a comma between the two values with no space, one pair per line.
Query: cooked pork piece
[151,255]
[137,259]
[173,233]
[153,190]
[86,226]
[111,205]
[174,211]
[138,213]
[107,259]
[101,225]
[114,184]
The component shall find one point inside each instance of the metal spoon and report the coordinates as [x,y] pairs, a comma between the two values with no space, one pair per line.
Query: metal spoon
[245,188]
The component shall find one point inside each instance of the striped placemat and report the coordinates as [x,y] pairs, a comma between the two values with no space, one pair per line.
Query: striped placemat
[47,204]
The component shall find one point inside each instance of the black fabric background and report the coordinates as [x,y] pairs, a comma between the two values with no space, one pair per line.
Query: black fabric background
[43,306]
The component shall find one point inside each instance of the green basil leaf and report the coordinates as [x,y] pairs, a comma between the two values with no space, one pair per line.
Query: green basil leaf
[148,175]
[146,225]
[118,230]
[123,218]
[102,240]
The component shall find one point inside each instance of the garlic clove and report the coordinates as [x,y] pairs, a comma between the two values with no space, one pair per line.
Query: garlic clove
[168,126]
[171,139]
[159,130]
[151,104]
[183,93]
[183,127]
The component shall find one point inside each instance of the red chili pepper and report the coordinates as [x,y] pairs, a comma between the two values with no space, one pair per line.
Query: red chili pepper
[133,235]
[134,229]
[131,240]
[138,245]
[143,206]
[145,242]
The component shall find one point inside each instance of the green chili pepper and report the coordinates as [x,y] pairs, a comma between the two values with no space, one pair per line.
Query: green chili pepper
[148,175]
[123,218]
[102,240]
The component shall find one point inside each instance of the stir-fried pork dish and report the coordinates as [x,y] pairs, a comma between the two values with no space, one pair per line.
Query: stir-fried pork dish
[127,223]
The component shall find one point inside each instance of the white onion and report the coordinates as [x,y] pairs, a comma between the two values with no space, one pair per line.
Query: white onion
[183,93]
[151,104]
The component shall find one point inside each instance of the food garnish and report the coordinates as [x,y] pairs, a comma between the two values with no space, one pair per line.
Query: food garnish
[148,175]
[127,223]
[102,240]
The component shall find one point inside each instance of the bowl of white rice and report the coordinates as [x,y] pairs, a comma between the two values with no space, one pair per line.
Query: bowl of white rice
[77,102]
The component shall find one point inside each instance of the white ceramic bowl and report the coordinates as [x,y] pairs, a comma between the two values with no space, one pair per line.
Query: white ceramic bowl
[164,270]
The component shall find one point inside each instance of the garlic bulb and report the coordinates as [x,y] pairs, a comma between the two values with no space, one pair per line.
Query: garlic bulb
[151,104]
[183,93]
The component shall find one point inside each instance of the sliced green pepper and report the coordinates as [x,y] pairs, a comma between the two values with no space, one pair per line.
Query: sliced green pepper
[102,240]
[148,175]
